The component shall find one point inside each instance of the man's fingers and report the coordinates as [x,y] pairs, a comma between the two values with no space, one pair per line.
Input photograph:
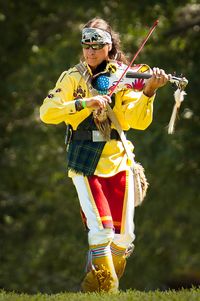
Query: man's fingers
[160,76]
[107,98]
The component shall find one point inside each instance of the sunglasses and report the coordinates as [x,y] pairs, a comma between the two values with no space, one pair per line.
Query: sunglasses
[93,46]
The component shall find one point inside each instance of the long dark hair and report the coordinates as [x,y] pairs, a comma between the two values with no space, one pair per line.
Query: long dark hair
[115,53]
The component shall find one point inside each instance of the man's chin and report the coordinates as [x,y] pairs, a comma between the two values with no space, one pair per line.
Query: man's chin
[92,64]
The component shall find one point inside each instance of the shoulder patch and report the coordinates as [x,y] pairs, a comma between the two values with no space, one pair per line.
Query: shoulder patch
[144,68]
[73,71]
[69,72]
[62,76]
[140,68]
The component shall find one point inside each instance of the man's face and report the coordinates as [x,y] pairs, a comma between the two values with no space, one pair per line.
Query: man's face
[94,57]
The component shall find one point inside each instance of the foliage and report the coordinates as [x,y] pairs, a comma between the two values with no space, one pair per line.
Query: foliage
[43,244]
[129,295]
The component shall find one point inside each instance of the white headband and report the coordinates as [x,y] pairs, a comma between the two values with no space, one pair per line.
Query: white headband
[96,35]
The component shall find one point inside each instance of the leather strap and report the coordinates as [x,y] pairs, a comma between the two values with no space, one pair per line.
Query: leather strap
[113,118]
[84,72]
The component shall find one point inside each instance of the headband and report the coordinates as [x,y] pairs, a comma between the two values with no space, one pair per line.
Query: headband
[96,35]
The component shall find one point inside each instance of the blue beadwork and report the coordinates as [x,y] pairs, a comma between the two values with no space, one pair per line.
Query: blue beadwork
[102,84]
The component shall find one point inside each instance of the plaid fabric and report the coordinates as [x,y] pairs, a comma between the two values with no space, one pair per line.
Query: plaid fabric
[83,156]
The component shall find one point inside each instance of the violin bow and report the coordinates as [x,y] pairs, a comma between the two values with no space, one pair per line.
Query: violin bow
[181,82]
[135,56]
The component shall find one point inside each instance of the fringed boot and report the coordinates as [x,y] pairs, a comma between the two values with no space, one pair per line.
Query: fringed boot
[101,275]
[119,256]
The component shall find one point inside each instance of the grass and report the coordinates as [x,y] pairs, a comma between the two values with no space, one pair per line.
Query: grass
[130,295]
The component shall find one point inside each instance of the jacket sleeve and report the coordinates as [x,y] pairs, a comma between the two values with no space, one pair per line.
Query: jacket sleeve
[59,103]
[139,112]
[134,109]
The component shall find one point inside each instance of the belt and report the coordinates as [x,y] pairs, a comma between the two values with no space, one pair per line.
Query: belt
[93,135]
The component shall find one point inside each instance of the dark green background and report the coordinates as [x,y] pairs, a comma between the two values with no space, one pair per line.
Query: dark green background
[42,240]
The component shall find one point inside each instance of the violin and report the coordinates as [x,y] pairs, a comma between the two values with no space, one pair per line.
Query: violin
[124,76]
[117,77]
[134,78]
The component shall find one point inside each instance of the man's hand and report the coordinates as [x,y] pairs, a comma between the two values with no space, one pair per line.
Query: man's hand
[97,102]
[159,79]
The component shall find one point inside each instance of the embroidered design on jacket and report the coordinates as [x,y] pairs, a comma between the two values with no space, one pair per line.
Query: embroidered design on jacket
[79,92]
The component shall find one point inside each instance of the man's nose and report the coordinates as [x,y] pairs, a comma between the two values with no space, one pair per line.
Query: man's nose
[91,51]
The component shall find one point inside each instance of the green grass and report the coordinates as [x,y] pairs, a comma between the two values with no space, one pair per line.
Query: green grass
[129,295]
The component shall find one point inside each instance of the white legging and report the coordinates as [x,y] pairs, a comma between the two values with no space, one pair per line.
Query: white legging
[97,234]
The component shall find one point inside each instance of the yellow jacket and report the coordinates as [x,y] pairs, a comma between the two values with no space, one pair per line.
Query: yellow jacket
[132,108]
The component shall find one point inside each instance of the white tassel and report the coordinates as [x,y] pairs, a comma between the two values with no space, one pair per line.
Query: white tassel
[179,97]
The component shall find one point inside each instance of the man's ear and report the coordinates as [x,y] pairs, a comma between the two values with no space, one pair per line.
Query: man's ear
[109,47]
